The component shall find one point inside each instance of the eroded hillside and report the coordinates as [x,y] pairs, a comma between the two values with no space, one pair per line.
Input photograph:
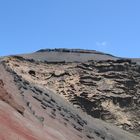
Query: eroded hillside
[108,90]
[49,100]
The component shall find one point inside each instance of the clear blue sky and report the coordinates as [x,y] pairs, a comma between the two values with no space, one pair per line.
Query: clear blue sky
[111,26]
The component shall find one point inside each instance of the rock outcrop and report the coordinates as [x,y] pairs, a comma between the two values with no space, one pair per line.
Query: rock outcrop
[70,100]
[108,90]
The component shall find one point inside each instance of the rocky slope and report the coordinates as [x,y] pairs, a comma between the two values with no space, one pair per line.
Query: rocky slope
[53,98]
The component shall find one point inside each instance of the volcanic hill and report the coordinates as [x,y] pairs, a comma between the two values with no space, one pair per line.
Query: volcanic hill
[69,94]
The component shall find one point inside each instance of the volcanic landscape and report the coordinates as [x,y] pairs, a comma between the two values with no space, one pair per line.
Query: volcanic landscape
[69,94]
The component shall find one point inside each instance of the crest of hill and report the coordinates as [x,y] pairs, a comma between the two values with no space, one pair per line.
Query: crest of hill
[68,55]
[73,51]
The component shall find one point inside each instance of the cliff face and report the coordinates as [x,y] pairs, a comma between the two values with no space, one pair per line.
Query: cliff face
[56,96]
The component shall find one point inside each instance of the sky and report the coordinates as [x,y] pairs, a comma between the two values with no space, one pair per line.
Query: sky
[111,26]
